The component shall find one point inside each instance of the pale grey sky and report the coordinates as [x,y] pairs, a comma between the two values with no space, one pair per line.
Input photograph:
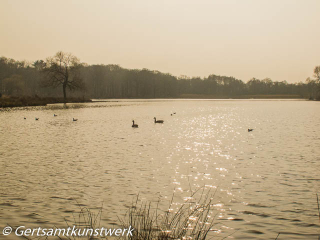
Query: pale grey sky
[241,38]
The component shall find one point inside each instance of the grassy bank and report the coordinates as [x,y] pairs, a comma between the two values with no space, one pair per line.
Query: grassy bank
[6,101]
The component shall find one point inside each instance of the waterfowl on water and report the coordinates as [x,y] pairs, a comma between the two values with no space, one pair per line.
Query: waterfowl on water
[157,121]
[36,119]
[134,125]
[250,129]
[24,118]
[55,115]
[74,119]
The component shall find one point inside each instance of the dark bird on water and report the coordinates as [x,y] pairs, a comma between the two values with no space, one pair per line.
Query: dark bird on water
[55,115]
[250,129]
[134,125]
[157,121]
[74,119]
[24,118]
[37,119]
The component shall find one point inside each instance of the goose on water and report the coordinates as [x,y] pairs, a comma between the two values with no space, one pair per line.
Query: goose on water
[36,119]
[134,125]
[157,121]
[250,129]
[74,119]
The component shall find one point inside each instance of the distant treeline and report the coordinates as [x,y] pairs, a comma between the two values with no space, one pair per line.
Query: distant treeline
[20,78]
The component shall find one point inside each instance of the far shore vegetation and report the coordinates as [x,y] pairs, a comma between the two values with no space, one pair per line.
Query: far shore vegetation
[63,78]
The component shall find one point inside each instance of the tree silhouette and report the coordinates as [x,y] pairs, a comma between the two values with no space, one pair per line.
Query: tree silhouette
[63,69]
[316,72]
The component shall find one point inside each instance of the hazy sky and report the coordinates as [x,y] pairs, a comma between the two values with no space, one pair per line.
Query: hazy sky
[279,39]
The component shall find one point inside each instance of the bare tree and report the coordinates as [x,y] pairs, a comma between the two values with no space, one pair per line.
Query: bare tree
[63,70]
[316,72]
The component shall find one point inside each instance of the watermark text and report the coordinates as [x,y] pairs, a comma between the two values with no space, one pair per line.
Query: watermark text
[74,231]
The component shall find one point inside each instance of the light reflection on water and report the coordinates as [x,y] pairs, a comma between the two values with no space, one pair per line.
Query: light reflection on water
[266,180]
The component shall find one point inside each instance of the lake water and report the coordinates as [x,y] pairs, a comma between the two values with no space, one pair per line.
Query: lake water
[265,181]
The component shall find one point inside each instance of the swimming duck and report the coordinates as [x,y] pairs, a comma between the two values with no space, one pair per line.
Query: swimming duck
[134,125]
[157,121]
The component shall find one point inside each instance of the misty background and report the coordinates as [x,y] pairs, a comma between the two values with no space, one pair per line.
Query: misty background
[244,39]
[166,49]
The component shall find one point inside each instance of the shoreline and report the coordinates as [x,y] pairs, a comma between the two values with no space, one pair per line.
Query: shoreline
[10,102]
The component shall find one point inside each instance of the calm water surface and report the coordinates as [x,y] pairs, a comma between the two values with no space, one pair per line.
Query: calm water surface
[266,181]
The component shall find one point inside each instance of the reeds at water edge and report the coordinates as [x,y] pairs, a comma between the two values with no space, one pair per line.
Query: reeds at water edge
[192,220]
